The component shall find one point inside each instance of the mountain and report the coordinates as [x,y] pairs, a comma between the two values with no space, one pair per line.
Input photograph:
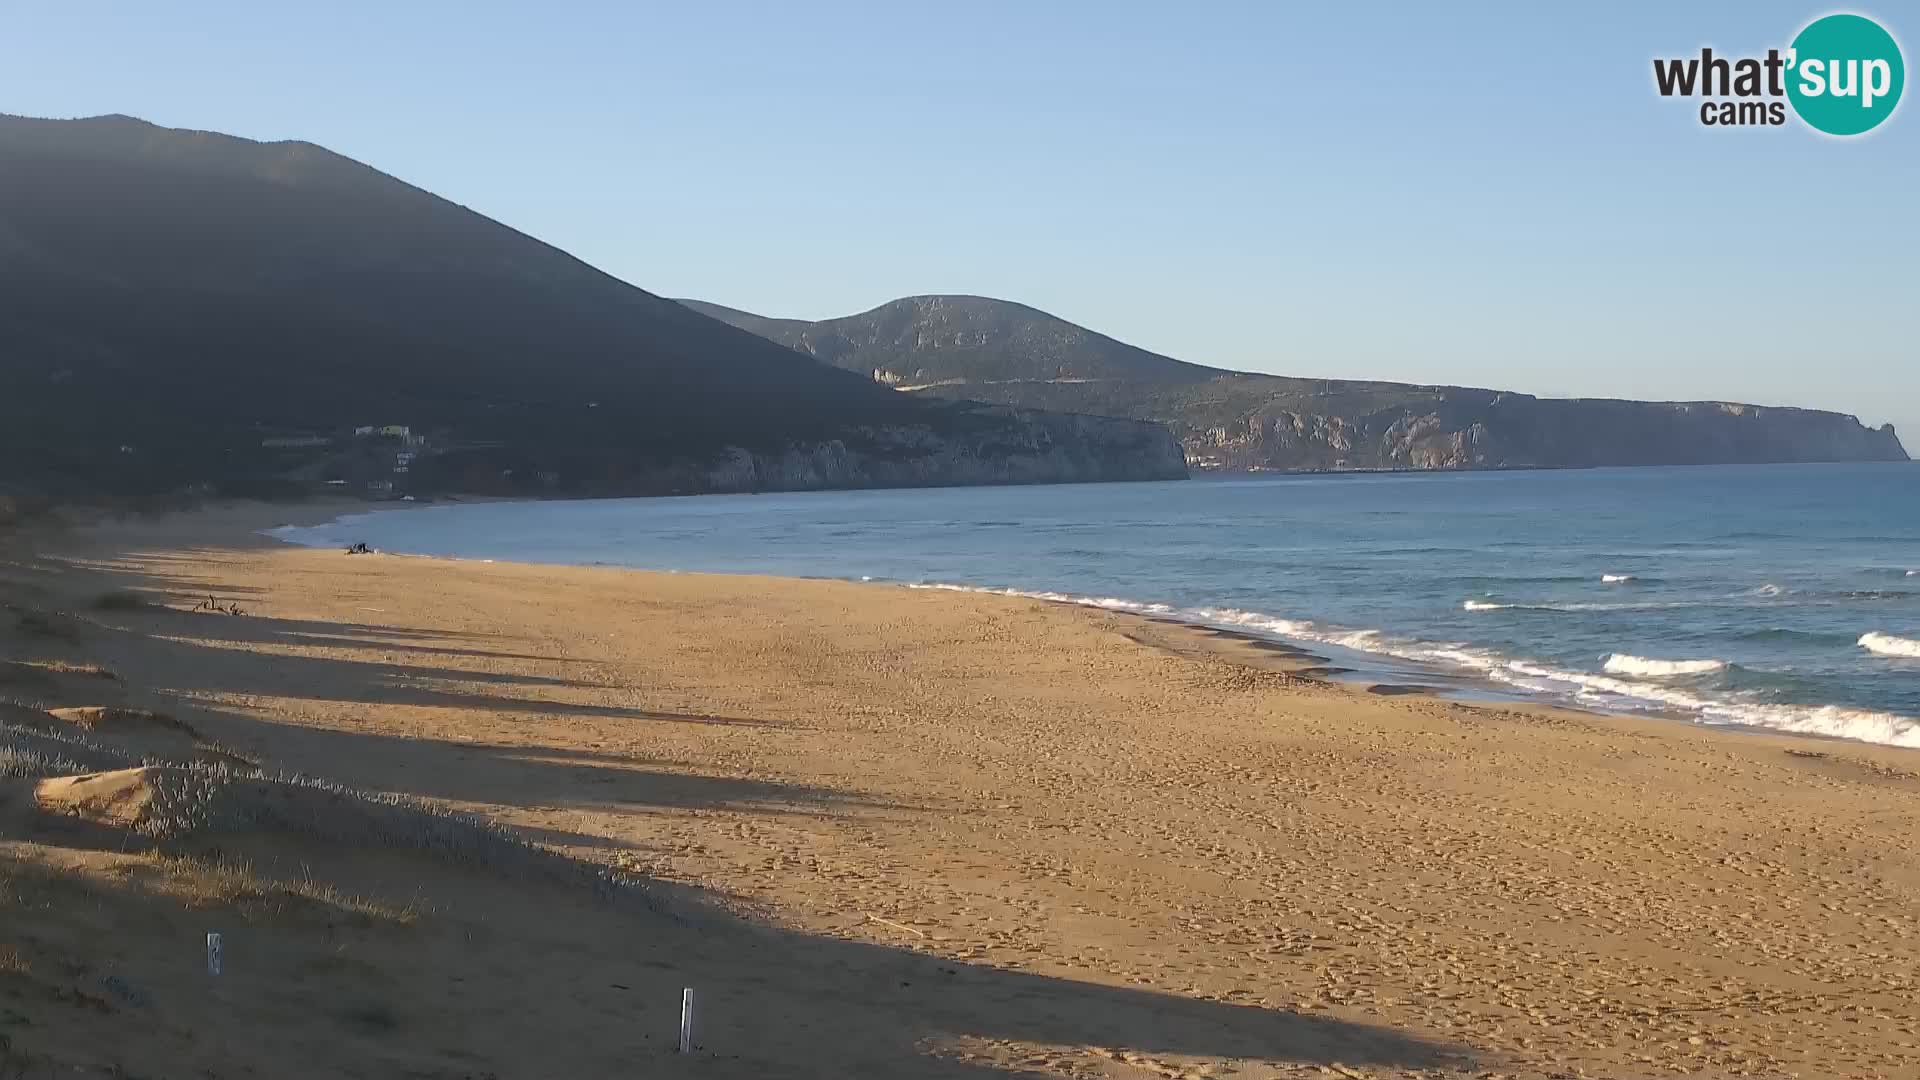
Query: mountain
[993,350]
[190,309]
[931,339]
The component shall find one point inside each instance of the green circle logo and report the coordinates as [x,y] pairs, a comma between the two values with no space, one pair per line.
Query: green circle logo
[1845,74]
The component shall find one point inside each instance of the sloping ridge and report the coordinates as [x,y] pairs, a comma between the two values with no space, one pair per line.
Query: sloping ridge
[182,293]
[995,350]
[209,276]
[930,339]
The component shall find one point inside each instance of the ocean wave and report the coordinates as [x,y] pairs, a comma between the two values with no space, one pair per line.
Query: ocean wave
[1632,695]
[1504,605]
[1829,597]
[1788,633]
[1836,721]
[1595,690]
[1495,581]
[1626,664]
[1615,579]
[1638,605]
[1888,645]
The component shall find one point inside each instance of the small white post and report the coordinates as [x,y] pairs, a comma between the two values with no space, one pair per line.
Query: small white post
[213,954]
[686,1020]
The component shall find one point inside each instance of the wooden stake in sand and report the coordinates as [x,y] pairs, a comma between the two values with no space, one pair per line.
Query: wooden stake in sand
[213,954]
[686,1020]
[897,926]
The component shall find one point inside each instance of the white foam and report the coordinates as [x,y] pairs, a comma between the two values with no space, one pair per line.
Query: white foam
[1599,691]
[1639,605]
[1887,729]
[1625,664]
[1604,692]
[1913,573]
[1889,645]
[1615,579]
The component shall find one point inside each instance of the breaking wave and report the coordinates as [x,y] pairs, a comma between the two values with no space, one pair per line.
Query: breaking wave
[1639,605]
[1790,634]
[1831,596]
[1889,645]
[1615,579]
[1611,690]
[1768,596]
[1624,664]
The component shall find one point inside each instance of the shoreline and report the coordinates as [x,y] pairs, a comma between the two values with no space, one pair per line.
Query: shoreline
[1301,659]
[1384,671]
[1298,659]
[238,524]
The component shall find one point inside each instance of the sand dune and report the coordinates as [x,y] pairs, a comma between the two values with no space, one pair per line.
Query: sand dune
[890,833]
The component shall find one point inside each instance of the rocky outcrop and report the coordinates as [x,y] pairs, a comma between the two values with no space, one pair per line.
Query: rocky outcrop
[1465,429]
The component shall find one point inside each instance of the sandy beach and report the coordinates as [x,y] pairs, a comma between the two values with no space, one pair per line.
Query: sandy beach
[910,833]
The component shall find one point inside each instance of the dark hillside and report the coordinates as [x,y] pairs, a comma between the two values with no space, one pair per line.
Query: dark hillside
[170,300]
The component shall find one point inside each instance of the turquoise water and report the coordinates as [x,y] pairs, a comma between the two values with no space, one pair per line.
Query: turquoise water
[1781,597]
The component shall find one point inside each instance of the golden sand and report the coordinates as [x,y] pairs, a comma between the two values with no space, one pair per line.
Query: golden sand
[934,834]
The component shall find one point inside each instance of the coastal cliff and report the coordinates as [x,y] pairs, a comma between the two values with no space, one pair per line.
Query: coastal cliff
[1469,429]
[971,347]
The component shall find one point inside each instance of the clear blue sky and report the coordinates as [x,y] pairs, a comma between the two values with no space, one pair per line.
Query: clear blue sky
[1491,196]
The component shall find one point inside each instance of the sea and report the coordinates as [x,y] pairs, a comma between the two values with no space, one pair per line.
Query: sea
[1777,597]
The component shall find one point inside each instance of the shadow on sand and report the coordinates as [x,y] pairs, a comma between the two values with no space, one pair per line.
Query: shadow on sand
[765,983]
